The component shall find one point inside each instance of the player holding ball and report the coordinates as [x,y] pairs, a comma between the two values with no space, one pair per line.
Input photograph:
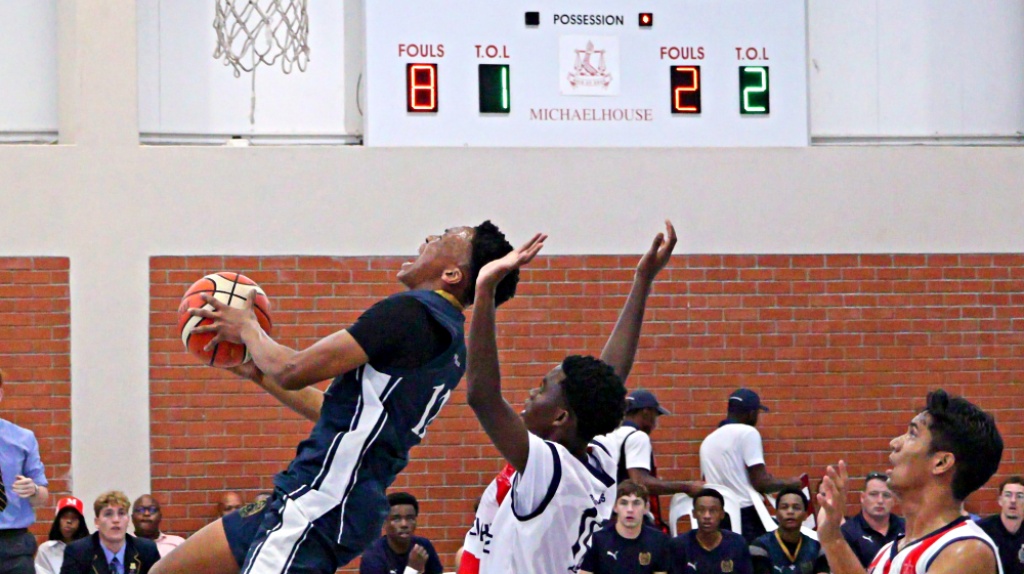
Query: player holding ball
[392,372]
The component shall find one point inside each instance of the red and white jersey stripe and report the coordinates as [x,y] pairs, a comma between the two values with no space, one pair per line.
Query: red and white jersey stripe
[917,557]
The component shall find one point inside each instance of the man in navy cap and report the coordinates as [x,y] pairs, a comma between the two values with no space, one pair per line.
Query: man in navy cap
[630,444]
[733,456]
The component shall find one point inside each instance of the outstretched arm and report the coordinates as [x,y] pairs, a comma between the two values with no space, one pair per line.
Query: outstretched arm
[280,365]
[657,486]
[483,374]
[766,483]
[620,350]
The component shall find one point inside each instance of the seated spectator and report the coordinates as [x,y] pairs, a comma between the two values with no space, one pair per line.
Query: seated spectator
[631,445]
[146,517]
[787,549]
[68,526]
[230,502]
[400,550]
[1004,528]
[876,525]
[628,546]
[111,550]
[709,549]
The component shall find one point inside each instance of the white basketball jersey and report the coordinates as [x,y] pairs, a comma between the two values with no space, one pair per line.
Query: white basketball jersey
[917,557]
[545,524]
[478,539]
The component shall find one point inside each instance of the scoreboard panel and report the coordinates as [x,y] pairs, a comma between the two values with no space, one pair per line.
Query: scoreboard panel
[658,73]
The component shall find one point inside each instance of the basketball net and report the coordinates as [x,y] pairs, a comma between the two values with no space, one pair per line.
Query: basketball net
[254,32]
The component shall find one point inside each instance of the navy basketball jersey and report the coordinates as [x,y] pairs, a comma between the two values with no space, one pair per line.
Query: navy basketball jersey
[369,420]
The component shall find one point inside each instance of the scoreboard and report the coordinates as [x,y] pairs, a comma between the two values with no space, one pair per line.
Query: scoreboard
[633,73]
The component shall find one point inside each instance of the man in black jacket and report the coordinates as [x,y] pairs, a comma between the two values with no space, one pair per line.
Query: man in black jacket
[111,550]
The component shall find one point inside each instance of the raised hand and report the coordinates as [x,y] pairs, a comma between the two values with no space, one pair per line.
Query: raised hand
[832,503]
[496,270]
[227,323]
[418,558]
[658,255]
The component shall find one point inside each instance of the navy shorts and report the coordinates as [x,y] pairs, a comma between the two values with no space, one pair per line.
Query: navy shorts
[276,537]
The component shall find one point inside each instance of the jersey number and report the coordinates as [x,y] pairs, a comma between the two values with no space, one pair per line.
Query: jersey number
[439,398]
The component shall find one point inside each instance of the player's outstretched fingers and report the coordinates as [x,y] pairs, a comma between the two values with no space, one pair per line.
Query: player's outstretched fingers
[532,248]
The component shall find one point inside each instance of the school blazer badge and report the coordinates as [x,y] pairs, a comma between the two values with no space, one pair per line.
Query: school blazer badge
[727,566]
[645,558]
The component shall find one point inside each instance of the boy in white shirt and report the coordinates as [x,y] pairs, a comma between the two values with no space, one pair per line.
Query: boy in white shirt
[564,483]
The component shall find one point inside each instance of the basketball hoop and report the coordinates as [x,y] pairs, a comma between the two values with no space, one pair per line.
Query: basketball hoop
[254,32]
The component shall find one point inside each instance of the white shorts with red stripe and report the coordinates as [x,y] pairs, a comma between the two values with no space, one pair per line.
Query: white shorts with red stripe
[917,557]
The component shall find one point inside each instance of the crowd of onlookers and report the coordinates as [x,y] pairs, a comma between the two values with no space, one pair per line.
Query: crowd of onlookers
[634,539]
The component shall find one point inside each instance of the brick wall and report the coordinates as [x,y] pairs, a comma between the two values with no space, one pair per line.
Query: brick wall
[35,328]
[842,347]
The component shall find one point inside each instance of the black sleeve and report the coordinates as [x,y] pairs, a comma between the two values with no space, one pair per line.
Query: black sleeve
[372,563]
[759,559]
[589,562]
[662,560]
[400,332]
[433,560]
[676,556]
[72,563]
[821,564]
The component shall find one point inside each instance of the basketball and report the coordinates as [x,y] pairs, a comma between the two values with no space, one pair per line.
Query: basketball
[232,289]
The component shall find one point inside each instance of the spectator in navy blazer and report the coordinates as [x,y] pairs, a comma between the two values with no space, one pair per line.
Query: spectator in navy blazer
[111,550]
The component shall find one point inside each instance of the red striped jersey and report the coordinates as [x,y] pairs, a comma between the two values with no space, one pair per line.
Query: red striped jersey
[917,557]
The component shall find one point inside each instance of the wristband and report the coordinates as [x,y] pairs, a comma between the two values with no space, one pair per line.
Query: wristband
[410,570]
[36,493]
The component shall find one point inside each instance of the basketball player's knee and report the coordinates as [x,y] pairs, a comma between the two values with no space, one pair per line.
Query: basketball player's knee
[160,567]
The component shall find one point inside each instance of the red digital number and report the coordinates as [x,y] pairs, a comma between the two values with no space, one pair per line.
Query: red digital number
[421,87]
[686,89]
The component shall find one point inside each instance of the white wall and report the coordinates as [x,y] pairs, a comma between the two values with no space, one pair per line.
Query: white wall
[877,69]
[109,204]
[28,69]
[916,68]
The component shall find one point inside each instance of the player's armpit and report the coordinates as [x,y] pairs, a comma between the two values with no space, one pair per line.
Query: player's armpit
[970,556]
[329,357]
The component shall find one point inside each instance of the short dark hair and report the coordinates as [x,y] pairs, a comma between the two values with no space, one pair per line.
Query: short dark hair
[630,487]
[709,492]
[1015,479]
[595,395]
[960,427]
[489,243]
[875,476]
[82,532]
[396,498]
[792,490]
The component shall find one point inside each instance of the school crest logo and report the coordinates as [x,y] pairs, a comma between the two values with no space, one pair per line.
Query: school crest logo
[252,508]
[727,566]
[645,558]
[589,65]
